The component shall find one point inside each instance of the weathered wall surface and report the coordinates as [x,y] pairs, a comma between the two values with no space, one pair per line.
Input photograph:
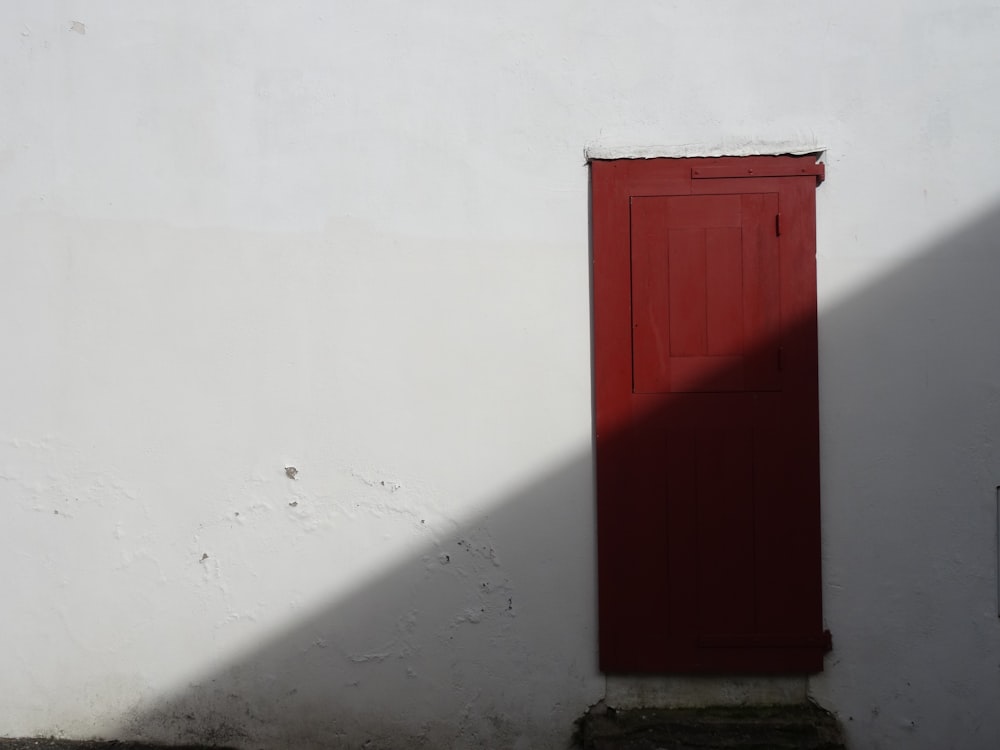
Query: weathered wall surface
[353,239]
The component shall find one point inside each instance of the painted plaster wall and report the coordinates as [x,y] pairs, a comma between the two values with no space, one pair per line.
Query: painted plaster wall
[352,239]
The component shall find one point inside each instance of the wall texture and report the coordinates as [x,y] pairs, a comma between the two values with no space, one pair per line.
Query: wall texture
[352,239]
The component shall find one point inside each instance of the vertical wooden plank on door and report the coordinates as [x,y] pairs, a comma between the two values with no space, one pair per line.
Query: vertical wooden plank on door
[650,300]
[762,293]
[724,291]
[626,444]
[723,547]
[687,292]
[792,602]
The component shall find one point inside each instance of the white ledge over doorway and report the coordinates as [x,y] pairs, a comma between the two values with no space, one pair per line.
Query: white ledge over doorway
[735,147]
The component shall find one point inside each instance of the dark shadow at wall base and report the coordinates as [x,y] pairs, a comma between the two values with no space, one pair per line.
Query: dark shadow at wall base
[46,743]
[802,727]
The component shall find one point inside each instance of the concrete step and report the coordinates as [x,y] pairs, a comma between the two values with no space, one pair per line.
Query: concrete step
[795,727]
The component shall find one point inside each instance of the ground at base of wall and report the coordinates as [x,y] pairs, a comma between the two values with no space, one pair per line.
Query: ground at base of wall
[802,727]
[48,743]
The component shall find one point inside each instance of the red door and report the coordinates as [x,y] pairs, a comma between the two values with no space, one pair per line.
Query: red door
[707,417]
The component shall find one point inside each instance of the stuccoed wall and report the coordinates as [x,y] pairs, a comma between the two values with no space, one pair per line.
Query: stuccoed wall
[352,238]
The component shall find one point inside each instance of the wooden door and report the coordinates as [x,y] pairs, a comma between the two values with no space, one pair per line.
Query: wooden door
[707,426]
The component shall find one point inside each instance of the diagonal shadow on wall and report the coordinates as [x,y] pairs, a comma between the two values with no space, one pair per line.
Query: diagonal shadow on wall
[910,404]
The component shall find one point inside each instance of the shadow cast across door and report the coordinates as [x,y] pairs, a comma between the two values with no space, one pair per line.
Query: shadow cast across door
[462,645]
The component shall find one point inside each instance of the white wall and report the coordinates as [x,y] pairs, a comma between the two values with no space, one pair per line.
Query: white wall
[352,238]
